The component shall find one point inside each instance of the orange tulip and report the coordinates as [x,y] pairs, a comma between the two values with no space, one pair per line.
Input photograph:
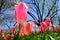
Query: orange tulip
[8,35]
[12,35]
[47,21]
[20,13]
[58,27]
[21,34]
[27,28]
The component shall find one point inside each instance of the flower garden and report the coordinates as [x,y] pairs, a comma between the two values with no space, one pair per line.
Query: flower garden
[24,30]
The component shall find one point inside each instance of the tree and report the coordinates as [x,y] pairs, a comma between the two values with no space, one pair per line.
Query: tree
[43,9]
[5,17]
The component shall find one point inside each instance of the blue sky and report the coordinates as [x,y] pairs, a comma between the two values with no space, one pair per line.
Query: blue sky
[9,11]
[59,7]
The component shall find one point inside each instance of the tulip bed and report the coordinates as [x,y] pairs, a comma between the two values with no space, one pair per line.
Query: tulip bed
[42,36]
[24,30]
[37,36]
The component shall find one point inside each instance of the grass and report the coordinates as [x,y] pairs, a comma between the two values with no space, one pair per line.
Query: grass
[37,36]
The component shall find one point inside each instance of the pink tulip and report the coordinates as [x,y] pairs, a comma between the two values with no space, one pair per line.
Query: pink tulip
[20,13]
[1,30]
[35,21]
[43,26]
[13,29]
[47,21]
[3,35]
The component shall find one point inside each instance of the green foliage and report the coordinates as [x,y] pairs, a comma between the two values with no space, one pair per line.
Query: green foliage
[54,6]
[37,36]
[41,36]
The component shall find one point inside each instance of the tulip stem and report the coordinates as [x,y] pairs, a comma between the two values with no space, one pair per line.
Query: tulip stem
[20,25]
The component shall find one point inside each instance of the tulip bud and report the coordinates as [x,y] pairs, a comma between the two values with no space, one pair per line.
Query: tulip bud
[58,27]
[3,35]
[47,21]
[51,27]
[1,30]
[20,13]
[26,28]
[8,35]
[12,35]
[43,26]
[35,21]
[13,29]
[21,34]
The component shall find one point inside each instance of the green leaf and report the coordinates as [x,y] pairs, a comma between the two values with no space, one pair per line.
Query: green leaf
[10,39]
[16,37]
[51,37]
[54,6]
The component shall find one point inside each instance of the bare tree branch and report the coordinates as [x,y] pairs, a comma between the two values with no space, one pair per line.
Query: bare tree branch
[38,10]
[30,20]
[32,9]
[50,11]
[1,4]
[43,8]
[55,13]
[32,15]
[15,24]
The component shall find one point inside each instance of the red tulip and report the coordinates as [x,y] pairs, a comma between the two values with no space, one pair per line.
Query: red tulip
[47,21]
[43,26]
[13,29]
[20,13]
[1,30]
[27,28]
